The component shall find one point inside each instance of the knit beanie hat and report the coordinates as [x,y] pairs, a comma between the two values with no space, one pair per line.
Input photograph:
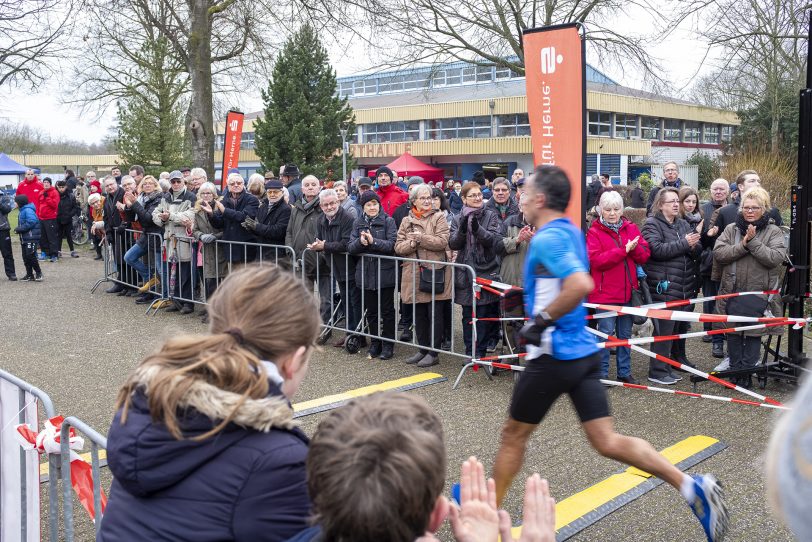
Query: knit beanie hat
[369,195]
[384,169]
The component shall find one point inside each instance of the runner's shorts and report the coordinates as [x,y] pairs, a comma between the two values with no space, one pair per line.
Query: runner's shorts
[546,378]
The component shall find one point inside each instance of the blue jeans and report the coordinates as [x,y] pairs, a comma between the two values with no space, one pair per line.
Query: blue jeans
[133,259]
[624,356]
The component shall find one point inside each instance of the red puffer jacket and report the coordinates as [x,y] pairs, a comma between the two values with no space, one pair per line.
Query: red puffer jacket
[392,197]
[48,204]
[608,257]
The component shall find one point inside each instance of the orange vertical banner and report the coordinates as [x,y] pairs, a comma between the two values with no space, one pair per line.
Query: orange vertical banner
[554,62]
[231,144]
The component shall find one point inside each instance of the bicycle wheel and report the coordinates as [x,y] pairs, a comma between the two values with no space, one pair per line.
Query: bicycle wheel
[79,232]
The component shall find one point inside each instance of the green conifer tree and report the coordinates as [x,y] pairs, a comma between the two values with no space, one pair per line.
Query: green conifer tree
[303,114]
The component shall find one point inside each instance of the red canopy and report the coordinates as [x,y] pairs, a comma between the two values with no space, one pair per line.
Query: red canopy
[407,165]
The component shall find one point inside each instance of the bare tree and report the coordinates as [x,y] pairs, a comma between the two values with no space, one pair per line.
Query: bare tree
[29,38]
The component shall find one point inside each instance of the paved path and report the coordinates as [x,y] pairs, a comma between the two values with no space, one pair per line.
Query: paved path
[79,347]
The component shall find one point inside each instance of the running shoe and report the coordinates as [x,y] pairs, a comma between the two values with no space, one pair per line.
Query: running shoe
[709,506]
[664,380]
[724,366]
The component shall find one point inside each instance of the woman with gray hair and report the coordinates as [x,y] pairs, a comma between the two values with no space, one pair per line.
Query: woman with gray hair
[615,249]
[423,235]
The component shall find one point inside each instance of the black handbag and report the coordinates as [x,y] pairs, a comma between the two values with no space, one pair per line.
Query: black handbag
[432,279]
[636,299]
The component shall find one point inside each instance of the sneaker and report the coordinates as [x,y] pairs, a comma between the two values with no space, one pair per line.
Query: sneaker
[54,259]
[147,285]
[724,366]
[414,359]
[429,360]
[12,278]
[42,257]
[38,277]
[664,380]
[27,278]
[718,350]
[74,254]
[709,506]
[628,379]
[707,338]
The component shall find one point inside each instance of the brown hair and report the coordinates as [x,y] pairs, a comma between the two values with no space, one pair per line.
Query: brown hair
[467,187]
[658,199]
[740,177]
[684,193]
[376,468]
[257,313]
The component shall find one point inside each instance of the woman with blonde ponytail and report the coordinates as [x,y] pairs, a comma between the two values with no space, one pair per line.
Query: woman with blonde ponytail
[203,445]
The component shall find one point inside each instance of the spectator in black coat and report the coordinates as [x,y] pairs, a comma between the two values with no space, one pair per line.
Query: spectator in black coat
[710,232]
[271,223]
[68,208]
[638,197]
[454,199]
[670,270]
[374,233]
[114,234]
[230,215]
[6,206]
[71,180]
[333,235]
[203,445]
[670,178]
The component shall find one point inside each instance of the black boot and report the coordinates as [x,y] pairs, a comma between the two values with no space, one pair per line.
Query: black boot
[388,350]
[374,349]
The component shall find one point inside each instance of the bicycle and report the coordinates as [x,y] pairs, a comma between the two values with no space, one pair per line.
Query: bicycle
[79,231]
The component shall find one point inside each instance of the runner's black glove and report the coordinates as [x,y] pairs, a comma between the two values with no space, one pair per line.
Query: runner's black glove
[532,331]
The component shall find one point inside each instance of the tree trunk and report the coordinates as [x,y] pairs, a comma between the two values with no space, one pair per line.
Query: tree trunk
[200,118]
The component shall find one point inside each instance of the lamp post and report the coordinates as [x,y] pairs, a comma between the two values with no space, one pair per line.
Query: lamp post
[344,153]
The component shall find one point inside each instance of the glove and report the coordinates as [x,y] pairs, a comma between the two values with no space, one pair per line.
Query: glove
[208,238]
[463,224]
[531,332]
[474,225]
[249,224]
[512,300]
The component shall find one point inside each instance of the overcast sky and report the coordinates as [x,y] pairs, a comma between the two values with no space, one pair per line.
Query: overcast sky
[680,53]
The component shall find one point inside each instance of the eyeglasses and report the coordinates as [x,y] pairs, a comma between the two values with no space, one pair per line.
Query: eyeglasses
[751,209]
[671,202]
[474,196]
[176,181]
[424,198]
[329,203]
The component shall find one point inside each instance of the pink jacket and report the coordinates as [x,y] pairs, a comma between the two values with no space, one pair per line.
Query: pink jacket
[607,259]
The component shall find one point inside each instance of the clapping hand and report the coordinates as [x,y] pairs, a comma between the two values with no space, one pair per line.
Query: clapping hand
[698,228]
[751,232]
[249,224]
[207,238]
[692,238]
[632,244]
[317,245]
[366,238]
[713,231]
[538,523]
[477,518]
[525,234]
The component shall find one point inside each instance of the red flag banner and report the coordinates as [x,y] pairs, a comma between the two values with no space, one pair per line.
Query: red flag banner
[231,144]
[556,104]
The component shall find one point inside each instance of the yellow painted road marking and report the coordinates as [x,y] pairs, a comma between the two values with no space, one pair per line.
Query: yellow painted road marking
[584,502]
[367,390]
[43,467]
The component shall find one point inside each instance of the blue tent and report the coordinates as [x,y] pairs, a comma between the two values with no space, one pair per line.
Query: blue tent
[9,166]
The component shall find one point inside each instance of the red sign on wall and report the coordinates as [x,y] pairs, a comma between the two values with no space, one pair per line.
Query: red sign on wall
[231,144]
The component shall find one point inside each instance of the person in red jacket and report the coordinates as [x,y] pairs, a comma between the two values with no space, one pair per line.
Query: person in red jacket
[30,187]
[391,195]
[47,208]
[615,248]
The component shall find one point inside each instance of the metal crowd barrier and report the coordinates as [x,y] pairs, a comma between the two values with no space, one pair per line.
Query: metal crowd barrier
[324,277]
[96,441]
[118,271]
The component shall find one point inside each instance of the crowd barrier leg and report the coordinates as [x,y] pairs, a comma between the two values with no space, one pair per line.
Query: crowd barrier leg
[96,441]
[106,261]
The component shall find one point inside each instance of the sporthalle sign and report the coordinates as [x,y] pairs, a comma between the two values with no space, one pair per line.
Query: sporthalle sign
[556,101]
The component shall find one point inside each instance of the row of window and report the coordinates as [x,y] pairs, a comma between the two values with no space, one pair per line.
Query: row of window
[446,77]
[247,141]
[620,125]
[437,129]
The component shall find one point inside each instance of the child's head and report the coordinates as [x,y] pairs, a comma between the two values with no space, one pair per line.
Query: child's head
[21,200]
[376,468]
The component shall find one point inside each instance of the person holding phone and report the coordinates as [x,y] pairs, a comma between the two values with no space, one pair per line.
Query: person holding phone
[615,248]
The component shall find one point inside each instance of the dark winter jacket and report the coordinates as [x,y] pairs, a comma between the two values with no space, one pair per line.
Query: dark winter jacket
[613,270]
[336,236]
[592,190]
[141,211]
[486,265]
[672,259]
[638,198]
[67,208]
[113,219]
[294,191]
[48,204]
[401,213]
[384,232]
[230,221]
[302,230]
[28,224]
[654,191]
[245,483]
[710,215]
[512,208]
[454,202]
[272,225]
[6,206]
[72,182]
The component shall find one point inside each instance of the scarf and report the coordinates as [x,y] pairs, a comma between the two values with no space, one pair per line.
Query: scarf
[468,213]
[370,219]
[693,218]
[760,224]
[614,227]
[309,205]
[417,214]
[143,198]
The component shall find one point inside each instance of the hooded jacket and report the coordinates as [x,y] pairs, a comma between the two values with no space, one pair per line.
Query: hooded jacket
[6,206]
[28,224]
[512,251]
[613,270]
[48,205]
[31,189]
[392,197]
[245,483]
[180,207]
[487,266]
[67,207]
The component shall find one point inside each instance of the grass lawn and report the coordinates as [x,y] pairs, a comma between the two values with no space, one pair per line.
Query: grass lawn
[12,218]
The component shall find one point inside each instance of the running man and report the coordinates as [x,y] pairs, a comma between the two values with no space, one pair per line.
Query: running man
[562,357]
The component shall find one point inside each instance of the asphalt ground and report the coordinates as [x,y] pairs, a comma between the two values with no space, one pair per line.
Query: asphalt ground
[79,347]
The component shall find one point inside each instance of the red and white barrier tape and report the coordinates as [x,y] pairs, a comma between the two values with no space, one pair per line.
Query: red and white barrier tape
[684,302]
[690,369]
[47,442]
[496,284]
[664,338]
[682,316]
[519,368]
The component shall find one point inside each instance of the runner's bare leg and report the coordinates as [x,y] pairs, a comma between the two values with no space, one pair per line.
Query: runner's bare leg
[510,457]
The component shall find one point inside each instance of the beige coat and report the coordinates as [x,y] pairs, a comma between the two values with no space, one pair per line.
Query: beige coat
[214,257]
[758,268]
[433,245]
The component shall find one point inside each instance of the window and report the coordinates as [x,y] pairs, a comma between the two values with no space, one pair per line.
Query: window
[465,127]
[453,76]
[650,128]
[503,73]
[727,134]
[438,79]
[484,74]
[392,83]
[358,87]
[345,88]
[415,80]
[711,134]
[371,86]
[600,123]
[692,133]
[625,126]
[247,141]
[219,141]
[672,130]
[385,132]
[512,125]
[468,75]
